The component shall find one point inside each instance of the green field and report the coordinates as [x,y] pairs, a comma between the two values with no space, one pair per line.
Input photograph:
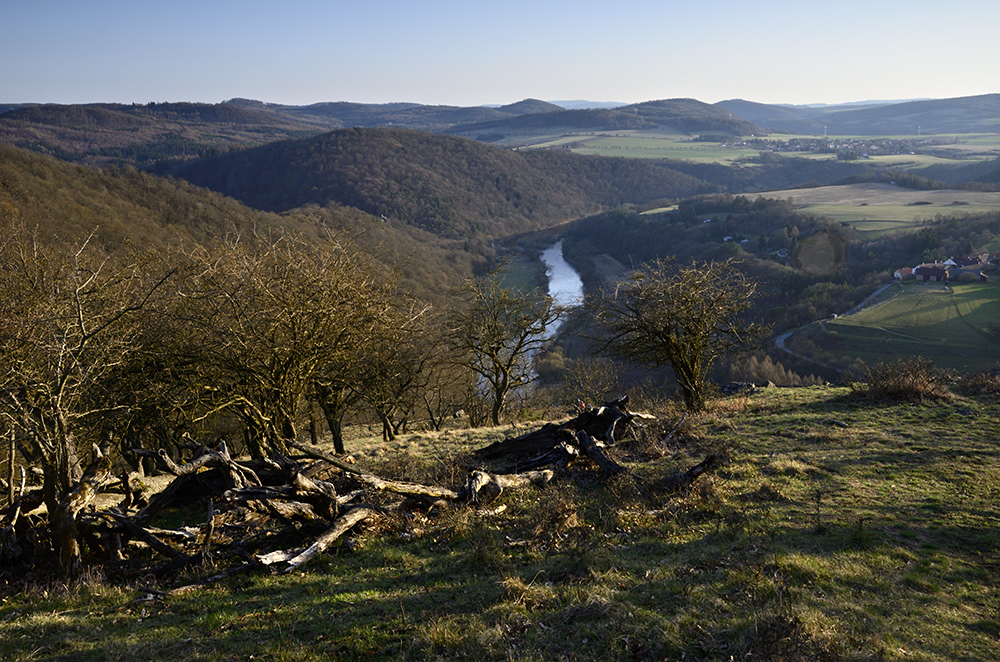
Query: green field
[879,208]
[951,150]
[947,324]
[647,146]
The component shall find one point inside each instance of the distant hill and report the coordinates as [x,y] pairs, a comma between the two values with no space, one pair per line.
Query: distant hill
[450,186]
[118,134]
[415,116]
[141,135]
[577,104]
[976,114]
[529,107]
[146,134]
[674,115]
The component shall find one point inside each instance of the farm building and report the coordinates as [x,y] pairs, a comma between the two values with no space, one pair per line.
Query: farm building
[931,272]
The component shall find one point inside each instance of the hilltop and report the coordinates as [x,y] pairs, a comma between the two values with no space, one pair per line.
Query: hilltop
[143,134]
[976,114]
[671,116]
[448,185]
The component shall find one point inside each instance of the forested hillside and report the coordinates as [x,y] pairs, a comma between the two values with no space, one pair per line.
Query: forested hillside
[672,115]
[142,134]
[450,186]
[68,203]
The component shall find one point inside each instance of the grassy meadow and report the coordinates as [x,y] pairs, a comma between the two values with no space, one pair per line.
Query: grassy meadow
[948,324]
[875,208]
[838,526]
[652,146]
[947,150]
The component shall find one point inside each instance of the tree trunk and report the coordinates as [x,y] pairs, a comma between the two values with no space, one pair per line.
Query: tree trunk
[10,470]
[63,520]
[329,402]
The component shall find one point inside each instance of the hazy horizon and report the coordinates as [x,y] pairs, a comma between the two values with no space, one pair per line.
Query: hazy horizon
[445,52]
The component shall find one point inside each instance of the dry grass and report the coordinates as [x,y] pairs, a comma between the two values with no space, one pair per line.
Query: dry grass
[835,528]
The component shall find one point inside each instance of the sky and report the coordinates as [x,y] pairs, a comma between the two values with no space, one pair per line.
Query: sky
[473,53]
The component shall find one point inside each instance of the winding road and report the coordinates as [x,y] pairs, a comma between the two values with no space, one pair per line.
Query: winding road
[781,339]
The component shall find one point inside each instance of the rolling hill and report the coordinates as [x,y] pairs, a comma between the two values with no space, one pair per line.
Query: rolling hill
[674,115]
[975,114]
[447,185]
[145,134]
[66,203]
[141,135]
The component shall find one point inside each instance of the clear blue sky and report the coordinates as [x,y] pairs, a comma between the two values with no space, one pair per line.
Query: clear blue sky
[471,52]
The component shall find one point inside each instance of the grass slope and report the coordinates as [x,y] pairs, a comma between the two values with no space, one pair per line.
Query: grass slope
[876,208]
[837,528]
[947,324]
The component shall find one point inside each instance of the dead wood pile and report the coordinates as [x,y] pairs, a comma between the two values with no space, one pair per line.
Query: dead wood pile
[281,512]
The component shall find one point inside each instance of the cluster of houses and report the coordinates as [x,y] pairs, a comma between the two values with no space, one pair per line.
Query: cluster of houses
[968,268]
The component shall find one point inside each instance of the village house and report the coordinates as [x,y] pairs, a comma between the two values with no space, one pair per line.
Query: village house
[936,272]
[904,273]
[966,268]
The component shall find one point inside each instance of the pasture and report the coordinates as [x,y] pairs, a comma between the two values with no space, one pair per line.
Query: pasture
[949,325]
[639,145]
[879,208]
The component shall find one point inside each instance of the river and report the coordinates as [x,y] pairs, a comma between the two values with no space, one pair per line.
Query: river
[565,286]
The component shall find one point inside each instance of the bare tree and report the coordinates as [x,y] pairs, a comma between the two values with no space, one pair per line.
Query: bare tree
[687,317]
[263,320]
[497,333]
[69,330]
[397,368]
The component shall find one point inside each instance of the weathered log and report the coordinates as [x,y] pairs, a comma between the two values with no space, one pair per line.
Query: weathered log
[483,487]
[292,511]
[609,423]
[370,479]
[140,533]
[536,442]
[683,480]
[590,448]
[342,525]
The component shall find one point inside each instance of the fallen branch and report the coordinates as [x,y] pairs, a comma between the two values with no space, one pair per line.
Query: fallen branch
[145,536]
[683,480]
[240,475]
[340,526]
[549,444]
[590,448]
[370,479]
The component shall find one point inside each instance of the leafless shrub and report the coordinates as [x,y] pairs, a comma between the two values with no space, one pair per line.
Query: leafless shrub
[986,382]
[914,380]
